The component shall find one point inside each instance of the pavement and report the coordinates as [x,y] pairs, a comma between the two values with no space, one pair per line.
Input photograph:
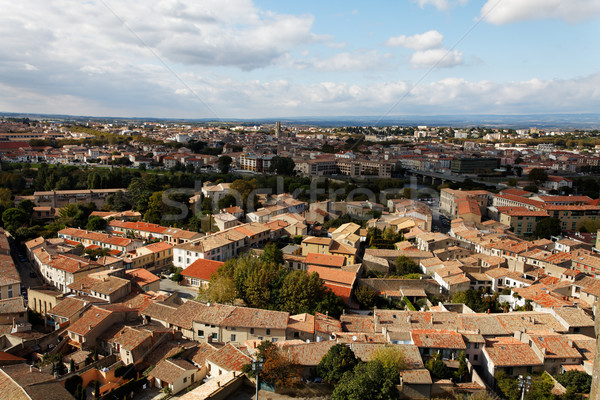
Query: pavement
[167,285]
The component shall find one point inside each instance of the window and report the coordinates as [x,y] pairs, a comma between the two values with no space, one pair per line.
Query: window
[215,336]
[268,331]
[252,331]
[200,333]
[476,345]
[475,357]
[296,334]
[184,380]
[233,338]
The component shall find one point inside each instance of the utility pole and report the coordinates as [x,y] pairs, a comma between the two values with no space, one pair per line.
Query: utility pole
[524,385]
[257,366]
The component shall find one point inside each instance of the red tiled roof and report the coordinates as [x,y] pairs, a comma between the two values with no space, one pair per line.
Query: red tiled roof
[202,269]
[229,358]
[510,352]
[90,319]
[521,212]
[325,260]
[333,275]
[159,246]
[437,339]
[141,276]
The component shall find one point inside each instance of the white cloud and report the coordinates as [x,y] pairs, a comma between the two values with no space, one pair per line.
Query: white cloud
[439,58]
[421,41]
[441,5]
[219,33]
[359,60]
[501,12]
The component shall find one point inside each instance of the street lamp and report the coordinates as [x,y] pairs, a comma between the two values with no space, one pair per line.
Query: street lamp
[257,366]
[524,385]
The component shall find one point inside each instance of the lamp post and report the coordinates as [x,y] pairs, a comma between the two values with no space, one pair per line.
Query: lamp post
[524,385]
[257,366]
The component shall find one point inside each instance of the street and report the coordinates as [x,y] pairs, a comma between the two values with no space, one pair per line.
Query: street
[168,285]
[24,268]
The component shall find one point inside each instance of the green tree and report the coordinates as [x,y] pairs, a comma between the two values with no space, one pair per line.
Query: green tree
[244,187]
[272,254]
[462,374]
[338,360]
[391,357]
[221,290]
[538,175]
[282,165]
[405,266]
[507,386]
[369,380]
[300,292]
[72,382]
[438,368]
[14,218]
[227,201]
[365,296]
[576,382]
[224,163]
[96,224]
[548,227]
[27,206]
[155,208]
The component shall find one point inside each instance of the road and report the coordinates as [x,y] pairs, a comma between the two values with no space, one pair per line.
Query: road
[167,285]
[24,269]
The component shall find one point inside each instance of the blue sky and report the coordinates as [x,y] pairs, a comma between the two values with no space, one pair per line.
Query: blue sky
[265,58]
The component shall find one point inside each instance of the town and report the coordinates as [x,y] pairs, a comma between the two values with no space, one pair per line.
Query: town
[156,259]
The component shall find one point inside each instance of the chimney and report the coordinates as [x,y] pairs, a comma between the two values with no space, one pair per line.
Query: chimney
[90,327]
[82,286]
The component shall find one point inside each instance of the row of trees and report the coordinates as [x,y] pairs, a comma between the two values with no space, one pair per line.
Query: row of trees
[263,282]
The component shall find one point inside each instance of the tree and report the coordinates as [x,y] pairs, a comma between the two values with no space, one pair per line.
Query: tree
[227,201]
[282,165]
[27,206]
[438,368]
[405,266]
[244,188]
[538,175]
[278,369]
[462,374]
[96,389]
[531,188]
[155,209]
[575,381]
[72,382]
[14,218]
[367,381]
[365,296]
[512,182]
[272,254]
[548,227]
[338,360]
[96,224]
[224,164]
[391,357]
[589,225]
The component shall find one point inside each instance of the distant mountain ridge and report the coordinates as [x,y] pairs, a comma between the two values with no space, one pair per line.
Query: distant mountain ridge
[584,121]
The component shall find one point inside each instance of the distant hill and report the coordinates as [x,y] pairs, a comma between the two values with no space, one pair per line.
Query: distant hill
[587,121]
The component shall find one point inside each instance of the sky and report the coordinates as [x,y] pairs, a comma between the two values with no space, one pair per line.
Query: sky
[275,59]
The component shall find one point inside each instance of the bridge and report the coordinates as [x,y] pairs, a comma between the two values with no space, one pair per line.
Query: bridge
[435,178]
